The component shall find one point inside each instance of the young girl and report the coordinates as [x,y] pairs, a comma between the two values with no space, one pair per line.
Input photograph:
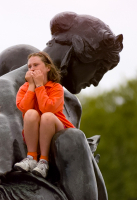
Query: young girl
[41,101]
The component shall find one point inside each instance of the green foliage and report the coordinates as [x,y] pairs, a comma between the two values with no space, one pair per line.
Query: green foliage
[113,115]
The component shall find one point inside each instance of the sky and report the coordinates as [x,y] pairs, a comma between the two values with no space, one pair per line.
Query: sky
[27,22]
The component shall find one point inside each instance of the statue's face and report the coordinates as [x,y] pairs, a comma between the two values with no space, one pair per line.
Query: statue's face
[80,75]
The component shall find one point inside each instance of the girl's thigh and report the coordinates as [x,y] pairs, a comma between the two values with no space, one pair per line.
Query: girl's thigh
[51,119]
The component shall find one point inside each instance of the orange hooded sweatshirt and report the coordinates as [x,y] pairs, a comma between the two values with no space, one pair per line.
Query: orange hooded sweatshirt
[47,98]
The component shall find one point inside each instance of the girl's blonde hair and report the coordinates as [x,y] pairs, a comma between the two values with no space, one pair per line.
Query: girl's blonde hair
[54,73]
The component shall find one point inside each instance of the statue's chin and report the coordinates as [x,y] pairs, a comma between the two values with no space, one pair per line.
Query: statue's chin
[70,86]
[73,90]
[76,90]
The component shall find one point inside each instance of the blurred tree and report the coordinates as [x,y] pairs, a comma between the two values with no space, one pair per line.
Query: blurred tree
[113,115]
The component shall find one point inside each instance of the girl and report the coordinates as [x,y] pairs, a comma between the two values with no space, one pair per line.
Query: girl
[41,101]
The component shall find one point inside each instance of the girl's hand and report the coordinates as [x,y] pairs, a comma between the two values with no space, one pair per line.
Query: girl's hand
[30,80]
[38,77]
[29,77]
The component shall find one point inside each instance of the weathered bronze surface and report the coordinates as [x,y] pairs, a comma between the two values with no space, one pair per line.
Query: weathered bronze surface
[84,49]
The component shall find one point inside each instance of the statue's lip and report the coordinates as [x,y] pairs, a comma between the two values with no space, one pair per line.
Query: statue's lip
[86,85]
[94,82]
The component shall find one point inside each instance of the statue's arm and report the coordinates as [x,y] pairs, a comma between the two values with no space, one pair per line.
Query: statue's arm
[72,157]
[11,145]
[79,174]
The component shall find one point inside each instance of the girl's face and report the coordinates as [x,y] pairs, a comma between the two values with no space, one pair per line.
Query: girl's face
[35,63]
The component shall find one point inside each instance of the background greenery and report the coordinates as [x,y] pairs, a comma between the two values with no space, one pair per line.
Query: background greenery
[113,115]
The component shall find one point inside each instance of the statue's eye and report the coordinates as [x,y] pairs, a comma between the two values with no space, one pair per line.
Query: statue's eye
[106,61]
[104,66]
[103,69]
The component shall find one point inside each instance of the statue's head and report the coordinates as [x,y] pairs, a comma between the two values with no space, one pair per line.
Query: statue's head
[84,48]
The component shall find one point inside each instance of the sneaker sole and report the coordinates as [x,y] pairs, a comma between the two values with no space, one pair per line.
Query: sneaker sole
[17,168]
[37,173]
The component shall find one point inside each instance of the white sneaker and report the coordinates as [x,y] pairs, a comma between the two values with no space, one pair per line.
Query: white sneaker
[41,169]
[27,164]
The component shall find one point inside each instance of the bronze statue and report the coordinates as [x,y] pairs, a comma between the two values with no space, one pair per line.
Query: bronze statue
[84,49]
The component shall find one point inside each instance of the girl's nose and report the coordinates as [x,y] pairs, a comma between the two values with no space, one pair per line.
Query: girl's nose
[32,68]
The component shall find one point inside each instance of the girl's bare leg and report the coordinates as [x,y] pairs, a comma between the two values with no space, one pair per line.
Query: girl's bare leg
[31,129]
[49,125]
[31,133]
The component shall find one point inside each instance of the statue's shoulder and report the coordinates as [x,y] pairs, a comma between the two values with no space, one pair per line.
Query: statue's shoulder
[72,108]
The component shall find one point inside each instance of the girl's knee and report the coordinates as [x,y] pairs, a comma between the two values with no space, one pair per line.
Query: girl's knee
[31,115]
[48,116]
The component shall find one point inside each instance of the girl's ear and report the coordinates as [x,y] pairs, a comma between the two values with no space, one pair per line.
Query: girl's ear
[48,68]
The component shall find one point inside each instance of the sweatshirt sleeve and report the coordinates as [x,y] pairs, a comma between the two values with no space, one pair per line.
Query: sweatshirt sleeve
[52,102]
[25,98]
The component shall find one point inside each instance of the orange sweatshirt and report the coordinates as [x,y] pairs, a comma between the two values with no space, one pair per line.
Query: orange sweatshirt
[47,98]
